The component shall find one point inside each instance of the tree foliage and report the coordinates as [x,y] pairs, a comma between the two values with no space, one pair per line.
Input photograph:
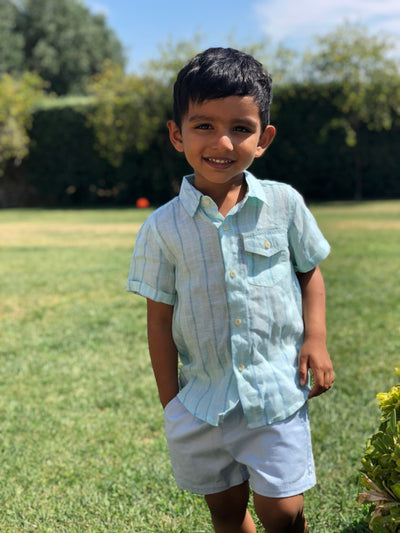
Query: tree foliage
[61,40]
[129,110]
[280,61]
[11,41]
[17,96]
[366,74]
[172,57]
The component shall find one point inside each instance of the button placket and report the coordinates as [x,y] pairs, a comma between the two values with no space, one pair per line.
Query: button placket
[240,343]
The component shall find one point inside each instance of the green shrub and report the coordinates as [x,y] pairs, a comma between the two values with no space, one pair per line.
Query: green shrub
[64,168]
[381,466]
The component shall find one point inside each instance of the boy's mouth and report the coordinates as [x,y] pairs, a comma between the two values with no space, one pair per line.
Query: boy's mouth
[218,161]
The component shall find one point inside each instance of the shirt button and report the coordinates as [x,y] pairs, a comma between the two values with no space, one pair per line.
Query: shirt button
[241,368]
[207,201]
[267,244]
[225,227]
[232,274]
[238,322]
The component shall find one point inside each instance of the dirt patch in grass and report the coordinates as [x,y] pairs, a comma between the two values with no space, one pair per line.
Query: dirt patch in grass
[67,234]
[369,224]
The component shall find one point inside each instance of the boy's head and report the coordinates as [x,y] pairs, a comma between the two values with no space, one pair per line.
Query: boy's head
[219,73]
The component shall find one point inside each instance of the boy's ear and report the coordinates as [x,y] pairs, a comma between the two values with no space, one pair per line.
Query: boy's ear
[175,136]
[266,139]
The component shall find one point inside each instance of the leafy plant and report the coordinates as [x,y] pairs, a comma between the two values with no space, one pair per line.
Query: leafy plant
[17,97]
[381,466]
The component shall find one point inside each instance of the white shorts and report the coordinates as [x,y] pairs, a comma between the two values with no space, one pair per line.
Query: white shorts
[277,459]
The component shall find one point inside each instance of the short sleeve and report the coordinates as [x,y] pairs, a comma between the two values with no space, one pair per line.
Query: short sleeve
[151,273]
[308,246]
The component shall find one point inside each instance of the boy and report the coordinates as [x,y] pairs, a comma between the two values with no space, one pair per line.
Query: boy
[230,272]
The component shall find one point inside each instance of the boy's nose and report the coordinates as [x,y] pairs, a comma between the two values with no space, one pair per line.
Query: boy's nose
[225,142]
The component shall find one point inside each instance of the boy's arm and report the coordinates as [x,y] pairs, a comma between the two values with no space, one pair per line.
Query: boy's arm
[314,354]
[163,352]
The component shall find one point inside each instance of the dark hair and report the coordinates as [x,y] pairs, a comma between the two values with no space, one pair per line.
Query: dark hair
[219,73]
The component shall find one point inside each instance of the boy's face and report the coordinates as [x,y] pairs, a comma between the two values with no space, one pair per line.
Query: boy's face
[220,139]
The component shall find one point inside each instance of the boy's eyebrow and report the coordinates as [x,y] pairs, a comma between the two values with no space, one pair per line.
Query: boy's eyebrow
[195,118]
[205,118]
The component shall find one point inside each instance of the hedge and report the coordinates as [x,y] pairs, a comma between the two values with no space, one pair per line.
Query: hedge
[63,168]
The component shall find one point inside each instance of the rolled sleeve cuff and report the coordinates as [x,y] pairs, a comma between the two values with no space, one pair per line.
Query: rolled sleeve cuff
[321,254]
[138,287]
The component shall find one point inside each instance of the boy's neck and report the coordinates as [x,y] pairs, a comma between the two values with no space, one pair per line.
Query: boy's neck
[225,195]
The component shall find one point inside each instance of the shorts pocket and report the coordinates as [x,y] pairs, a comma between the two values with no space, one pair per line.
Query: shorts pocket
[170,404]
[267,257]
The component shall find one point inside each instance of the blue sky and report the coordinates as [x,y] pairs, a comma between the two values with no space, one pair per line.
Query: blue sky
[143,26]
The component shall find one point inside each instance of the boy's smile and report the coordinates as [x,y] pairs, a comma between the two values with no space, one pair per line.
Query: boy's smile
[220,139]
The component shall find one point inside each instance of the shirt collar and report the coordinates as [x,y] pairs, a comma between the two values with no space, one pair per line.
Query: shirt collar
[191,197]
[255,189]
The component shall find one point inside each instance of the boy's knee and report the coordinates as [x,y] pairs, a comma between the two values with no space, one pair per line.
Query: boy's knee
[283,515]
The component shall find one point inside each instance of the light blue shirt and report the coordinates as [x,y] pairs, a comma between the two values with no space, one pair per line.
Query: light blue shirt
[237,320]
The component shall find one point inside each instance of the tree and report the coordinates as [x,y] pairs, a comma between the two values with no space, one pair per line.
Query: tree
[11,42]
[60,39]
[363,75]
[172,57]
[17,96]
[128,111]
[279,60]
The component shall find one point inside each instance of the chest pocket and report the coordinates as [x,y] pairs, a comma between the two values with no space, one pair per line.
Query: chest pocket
[267,257]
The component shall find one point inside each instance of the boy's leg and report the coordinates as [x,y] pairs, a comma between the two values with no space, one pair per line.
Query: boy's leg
[281,515]
[229,512]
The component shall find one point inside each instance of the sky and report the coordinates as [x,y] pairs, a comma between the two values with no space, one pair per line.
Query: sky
[143,26]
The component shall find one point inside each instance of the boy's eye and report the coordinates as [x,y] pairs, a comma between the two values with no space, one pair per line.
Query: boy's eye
[203,127]
[242,129]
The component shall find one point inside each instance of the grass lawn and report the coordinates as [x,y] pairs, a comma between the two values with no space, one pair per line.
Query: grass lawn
[82,446]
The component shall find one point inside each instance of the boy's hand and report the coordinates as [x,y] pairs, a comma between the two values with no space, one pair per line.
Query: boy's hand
[314,355]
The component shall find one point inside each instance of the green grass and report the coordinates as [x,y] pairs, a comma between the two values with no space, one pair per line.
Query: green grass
[82,446]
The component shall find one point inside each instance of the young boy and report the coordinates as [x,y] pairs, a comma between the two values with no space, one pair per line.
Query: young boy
[230,272]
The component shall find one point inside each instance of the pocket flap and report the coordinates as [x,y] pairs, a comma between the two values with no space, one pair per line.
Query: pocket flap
[265,242]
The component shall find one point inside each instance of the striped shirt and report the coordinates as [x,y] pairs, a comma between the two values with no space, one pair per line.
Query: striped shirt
[237,321]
